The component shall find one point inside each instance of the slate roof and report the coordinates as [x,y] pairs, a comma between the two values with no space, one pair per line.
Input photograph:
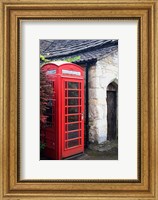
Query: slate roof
[88,50]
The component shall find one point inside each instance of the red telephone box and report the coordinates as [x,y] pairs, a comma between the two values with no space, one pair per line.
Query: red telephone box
[64,133]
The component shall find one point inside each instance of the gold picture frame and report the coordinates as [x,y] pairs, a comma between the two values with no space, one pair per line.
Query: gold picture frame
[146,187]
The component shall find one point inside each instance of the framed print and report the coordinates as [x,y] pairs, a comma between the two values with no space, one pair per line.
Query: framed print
[79,100]
[66,124]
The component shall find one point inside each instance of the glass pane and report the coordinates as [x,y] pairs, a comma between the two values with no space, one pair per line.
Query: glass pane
[73,93]
[49,119]
[73,102]
[66,127]
[65,84]
[73,127]
[48,107]
[65,145]
[80,102]
[66,119]
[73,110]
[65,102]
[65,93]
[73,143]
[73,118]
[73,135]
[73,85]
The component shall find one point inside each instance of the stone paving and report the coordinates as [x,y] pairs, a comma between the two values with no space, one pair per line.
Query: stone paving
[105,151]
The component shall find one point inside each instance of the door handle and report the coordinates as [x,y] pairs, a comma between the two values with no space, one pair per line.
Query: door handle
[82,116]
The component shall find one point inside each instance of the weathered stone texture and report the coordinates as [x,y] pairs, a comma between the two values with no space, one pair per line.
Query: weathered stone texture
[100,76]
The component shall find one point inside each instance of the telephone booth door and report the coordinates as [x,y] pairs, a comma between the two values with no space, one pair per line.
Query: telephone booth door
[73,117]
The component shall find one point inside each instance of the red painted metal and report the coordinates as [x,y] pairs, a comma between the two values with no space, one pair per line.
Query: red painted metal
[65,136]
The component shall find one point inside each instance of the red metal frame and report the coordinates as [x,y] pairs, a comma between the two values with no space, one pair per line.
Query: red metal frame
[66,136]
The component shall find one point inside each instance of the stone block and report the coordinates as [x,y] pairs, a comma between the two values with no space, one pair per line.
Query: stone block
[92,135]
[101,138]
[93,111]
[100,76]
[100,93]
[92,93]
[94,82]
[103,82]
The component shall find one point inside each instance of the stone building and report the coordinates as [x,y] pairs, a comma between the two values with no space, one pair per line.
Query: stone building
[100,61]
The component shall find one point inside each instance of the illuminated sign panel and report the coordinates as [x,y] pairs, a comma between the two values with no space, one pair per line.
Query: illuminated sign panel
[51,72]
[71,72]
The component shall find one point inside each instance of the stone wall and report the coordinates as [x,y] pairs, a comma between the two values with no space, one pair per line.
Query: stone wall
[100,76]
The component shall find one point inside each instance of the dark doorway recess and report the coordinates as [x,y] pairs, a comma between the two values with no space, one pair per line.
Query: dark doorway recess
[112,111]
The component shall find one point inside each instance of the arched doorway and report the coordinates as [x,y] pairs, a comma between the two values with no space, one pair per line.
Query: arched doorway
[112,111]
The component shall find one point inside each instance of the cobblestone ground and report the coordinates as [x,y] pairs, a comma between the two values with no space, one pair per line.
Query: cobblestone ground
[105,151]
[94,155]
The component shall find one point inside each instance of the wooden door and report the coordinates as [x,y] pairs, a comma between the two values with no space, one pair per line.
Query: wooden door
[112,113]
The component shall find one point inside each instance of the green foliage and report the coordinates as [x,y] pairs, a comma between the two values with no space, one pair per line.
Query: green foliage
[73,59]
[42,146]
[43,59]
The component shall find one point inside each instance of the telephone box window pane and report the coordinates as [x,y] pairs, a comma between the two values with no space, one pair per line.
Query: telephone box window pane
[66,119]
[48,108]
[73,110]
[73,127]
[49,119]
[73,93]
[73,135]
[73,102]
[66,102]
[73,85]
[73,118]
[65,127]
[65,84]
[80,101]
[65,93]
[65,145]
[73,143]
